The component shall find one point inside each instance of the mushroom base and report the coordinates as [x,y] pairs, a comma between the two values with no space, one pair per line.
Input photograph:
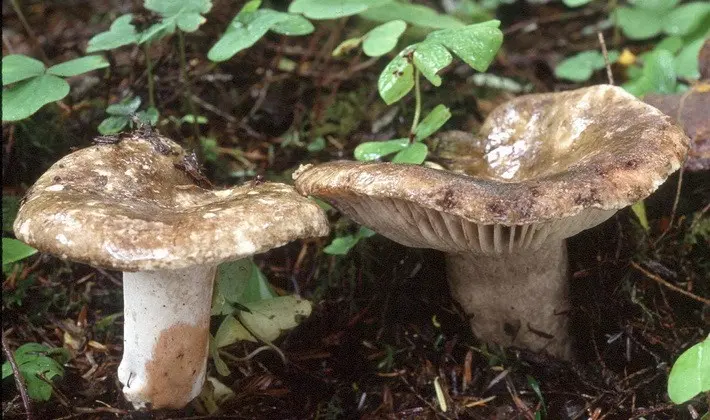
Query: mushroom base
[517,299]
[166,335]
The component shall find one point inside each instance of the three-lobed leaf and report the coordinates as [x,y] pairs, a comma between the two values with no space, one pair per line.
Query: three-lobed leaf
[251,24]
[184,14]
[475,44]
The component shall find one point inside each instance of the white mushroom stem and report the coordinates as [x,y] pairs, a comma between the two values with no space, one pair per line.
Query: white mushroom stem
[517,299]
[166,335]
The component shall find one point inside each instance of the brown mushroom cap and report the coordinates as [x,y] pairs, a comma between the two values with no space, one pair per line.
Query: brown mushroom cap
[126,206]
[545,165]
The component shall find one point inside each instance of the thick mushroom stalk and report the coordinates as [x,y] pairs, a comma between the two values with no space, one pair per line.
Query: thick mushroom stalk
[519,299]
[165,335]
[543,168]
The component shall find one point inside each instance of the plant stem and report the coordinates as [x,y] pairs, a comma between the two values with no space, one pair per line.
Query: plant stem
[195,144]
[28,29]
[418,104]
[149,65]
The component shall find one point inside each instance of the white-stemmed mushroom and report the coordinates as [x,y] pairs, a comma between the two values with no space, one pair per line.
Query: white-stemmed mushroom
[543,168]
[133,204]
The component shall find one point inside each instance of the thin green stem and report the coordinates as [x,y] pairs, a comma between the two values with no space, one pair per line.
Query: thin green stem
[418,103]
[149,65]
[196,146]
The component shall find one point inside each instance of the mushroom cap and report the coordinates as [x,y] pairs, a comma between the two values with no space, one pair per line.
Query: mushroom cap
[544,166]
[127,206]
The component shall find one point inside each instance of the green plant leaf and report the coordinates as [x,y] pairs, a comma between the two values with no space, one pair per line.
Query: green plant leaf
[432,122]
[34,359]
[580,67]
[329,9]
[341,245]
[690,374]
[686,62]
[655,5]
[185,14]
[414,153]
[637,23]
[374,150]
[219,364]
[672,44]
[126,107]
[414,14]
[430,58]
[17,67]
[639,209]
[269,318]
[257,287]
[26,97]
[14,250]
[293,25]
[575,3]
[113,125]
[150,116]
[156,31]
[383,38]
[232,278]
[121,33]
[658,75]
[397,79]
[78,66]
[250,25]
[477,44]
[686,18]
[347,46]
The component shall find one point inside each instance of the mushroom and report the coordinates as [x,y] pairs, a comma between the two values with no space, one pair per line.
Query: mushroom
[544,167]
[133,204]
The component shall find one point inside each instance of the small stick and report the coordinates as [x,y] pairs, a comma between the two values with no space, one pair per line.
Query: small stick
[605,53]
[19,380]
[669,285]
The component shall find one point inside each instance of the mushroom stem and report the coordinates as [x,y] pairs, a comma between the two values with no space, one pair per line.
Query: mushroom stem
[517,299]
[166,335]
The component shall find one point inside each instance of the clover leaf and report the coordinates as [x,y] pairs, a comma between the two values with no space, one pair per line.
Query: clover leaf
[475,44]
[252,23]
[329,9]
[33,85]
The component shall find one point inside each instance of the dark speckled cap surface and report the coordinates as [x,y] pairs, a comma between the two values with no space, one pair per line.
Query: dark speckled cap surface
[126,206]
[547,165]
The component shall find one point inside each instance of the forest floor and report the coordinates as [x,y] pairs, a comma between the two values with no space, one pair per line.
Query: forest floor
[383,327]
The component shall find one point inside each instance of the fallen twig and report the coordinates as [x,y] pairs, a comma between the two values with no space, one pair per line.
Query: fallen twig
[663,282]
[19,380]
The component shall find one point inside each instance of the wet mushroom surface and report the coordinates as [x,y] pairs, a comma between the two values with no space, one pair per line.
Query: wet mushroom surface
[543,168]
